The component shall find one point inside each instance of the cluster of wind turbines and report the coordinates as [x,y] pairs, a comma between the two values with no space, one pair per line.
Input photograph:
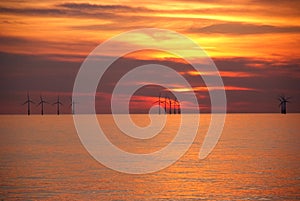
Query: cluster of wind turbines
[176,105]
[43,102]
[167,103]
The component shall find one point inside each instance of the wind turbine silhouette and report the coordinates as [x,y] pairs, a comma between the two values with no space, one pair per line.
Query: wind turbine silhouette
[170,106]
[168,102]
[57,103]
[283,100]
[174,106]
[28,104]
[178,106]
[165,105]
[159,101]
[42,104]
[73,103]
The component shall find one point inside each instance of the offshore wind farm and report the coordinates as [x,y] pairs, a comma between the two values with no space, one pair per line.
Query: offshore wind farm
[54,158]
[128,100]
[166,105]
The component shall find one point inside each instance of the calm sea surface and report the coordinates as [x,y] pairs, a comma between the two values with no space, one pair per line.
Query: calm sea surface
[256,158]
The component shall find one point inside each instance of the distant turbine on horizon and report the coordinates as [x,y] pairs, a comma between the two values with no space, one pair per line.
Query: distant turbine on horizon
[165,105]
[174,106]
[170,105]
[73,103]
[168,102]
[42,105]
[283,100]
[159,101]
[57,103]
[28,101]
[178,106]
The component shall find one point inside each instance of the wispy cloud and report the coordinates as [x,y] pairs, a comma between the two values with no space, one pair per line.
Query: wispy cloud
[99,7]
[244,28]
[201,89]
[84,10]
[221,73]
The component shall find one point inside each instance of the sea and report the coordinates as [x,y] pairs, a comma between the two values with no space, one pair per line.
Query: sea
[256,158]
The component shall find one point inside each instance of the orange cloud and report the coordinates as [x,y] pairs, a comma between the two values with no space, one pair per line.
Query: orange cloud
[222,73]
[223,29]
[227,88]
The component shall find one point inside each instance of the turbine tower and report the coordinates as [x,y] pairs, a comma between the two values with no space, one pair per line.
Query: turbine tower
[73,103]
[165,105]
[57,103]
[174,106]
[283,100]
[178,106]
[159,101]
[42,104]
[170,106]
[28,101]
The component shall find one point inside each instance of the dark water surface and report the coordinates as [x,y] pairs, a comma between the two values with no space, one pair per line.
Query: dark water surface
[257,158]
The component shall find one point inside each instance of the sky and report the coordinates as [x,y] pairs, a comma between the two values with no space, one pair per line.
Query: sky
[254,44]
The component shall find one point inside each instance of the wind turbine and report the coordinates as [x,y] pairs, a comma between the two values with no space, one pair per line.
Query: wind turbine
[283,100]
[28,104]
[178,106]
[174,106]
[42,104]
[57,103]
[165,105]
[170,106]
[158,103]
[73,103]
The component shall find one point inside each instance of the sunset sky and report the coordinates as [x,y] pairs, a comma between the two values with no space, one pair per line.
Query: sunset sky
[254,43]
